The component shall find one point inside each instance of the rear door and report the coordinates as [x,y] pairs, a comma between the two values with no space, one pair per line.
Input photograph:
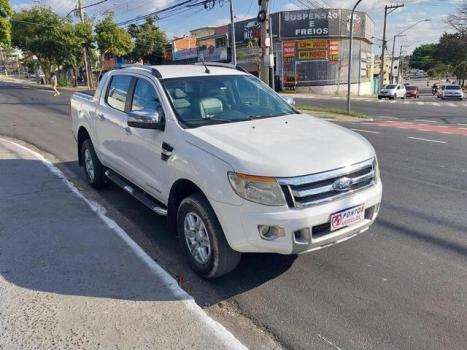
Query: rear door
[111,116]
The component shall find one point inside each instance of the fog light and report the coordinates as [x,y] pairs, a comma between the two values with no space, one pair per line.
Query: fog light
[270,233]
[302,236]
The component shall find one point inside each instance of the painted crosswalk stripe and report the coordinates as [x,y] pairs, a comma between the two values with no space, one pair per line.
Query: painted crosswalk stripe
[406,102]
[451,105]
[425,120]
[428,140]
[421,103]
[435,103]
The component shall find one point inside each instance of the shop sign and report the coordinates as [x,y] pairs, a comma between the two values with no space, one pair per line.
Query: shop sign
[184,54]
[333,51]
[313,55]
[288,48]
[312,44]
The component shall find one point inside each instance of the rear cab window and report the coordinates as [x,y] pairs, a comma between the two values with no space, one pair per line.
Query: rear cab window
[117,92]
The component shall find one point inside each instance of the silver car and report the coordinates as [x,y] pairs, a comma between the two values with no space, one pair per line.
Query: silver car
[392,91]
[452,91]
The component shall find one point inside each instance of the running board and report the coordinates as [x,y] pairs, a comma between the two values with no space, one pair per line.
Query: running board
[136,192]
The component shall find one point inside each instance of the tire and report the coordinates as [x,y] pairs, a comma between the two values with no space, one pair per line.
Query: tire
[93,168]
[394,97]
[215,261]
[379,97]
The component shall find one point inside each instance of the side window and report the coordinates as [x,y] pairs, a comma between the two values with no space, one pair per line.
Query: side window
[118,91]
[145,97]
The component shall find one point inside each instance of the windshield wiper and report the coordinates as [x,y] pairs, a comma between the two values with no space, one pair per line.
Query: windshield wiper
[216,120]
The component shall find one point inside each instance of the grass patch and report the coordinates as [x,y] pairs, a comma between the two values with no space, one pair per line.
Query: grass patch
[334,111]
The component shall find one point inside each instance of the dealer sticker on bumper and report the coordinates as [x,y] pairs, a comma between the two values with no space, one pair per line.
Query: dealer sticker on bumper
[347,217]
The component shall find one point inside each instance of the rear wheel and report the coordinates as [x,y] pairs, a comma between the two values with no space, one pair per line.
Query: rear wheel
[202,239]
[93,168]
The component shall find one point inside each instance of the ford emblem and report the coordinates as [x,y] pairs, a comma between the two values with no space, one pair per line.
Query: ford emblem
[342,184]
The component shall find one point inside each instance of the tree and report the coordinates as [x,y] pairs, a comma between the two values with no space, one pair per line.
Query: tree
[74,40]
[423,57]
[112,39]
[149,42]
[37,31]
[452,51]
[459,20]
[5,24]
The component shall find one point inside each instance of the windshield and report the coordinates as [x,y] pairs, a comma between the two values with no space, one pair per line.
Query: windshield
[453,87]
[214,99]
[390,87]
[411,88]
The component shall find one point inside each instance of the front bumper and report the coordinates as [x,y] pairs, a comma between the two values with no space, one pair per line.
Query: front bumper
[240,223]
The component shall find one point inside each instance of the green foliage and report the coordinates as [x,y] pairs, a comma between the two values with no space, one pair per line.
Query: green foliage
[423,57]
[5,24]
[38,31]
[439,71]
[111,38]
[62,80]
[149,41]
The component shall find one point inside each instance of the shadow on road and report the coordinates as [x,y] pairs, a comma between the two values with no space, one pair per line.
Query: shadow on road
[51,241]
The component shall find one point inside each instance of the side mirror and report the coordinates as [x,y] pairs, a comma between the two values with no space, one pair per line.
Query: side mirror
[146,120]
[290,100]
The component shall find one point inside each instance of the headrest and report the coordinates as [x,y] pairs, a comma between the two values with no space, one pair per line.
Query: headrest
[179,93]
[210,106]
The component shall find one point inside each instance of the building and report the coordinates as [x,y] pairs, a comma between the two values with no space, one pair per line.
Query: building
[387,69]
[310,47]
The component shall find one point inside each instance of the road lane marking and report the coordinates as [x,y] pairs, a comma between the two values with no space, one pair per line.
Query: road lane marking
[427,140]
[451,105]
[426,121]
[368,131]
[463,124]
[329,342]
[169,282]
[406,102]
[420,103]
[435,103]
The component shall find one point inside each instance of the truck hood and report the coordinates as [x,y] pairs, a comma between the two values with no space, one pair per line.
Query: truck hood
[285,146]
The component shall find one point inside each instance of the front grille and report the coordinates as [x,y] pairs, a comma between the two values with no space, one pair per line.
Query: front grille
[304,191]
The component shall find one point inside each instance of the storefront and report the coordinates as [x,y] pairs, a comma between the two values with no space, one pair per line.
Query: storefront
[311,49]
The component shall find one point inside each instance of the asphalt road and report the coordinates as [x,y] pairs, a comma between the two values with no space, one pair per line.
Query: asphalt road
[401,285]
[427,106]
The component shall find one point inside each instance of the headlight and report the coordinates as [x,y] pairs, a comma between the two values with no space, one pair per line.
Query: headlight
[376,168]
[258,189]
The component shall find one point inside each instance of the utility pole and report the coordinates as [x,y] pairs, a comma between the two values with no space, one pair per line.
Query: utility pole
[387,10]
[265,43]
[86,62]
[349,73]
[232,35]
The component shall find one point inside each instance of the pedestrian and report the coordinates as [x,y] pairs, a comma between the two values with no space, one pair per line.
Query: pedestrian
[54,82]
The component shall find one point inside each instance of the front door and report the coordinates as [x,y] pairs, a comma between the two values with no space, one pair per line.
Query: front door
[144,146]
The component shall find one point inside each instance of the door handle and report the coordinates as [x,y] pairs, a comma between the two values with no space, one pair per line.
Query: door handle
[127,130]
[101,116]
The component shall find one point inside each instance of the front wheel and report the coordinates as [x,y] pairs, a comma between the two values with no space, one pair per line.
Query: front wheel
[202,239]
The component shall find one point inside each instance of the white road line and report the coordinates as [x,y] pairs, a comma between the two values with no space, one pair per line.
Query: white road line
[420,103]
[379,101]
[451,105]
[426,121]
[368,131]
[169,282]
[406,102]
[435,103]
[393,101]
[463,124]
[385,117]
[428,140]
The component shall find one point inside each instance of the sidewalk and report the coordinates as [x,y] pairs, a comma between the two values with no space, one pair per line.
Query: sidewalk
[40,86]
[71,278]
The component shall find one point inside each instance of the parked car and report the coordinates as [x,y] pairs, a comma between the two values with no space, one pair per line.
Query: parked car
[392,91]
[452,91]
[412,91]
[233,166]
[439,93]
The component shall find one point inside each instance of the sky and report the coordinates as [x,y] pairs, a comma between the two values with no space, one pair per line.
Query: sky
[412,12]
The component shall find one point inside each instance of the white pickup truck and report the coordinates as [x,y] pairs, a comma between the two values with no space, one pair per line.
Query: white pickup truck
[234,167]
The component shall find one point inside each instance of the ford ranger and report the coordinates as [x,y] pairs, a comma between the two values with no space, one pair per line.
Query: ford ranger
[233,165]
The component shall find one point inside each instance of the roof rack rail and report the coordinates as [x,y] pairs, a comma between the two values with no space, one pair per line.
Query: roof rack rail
[154,71]
[224,65]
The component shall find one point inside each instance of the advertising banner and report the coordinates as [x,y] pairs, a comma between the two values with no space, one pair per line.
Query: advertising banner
[288,48]
[313,55]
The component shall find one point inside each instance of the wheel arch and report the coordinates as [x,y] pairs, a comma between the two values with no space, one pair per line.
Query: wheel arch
[83,135]
[180,189]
